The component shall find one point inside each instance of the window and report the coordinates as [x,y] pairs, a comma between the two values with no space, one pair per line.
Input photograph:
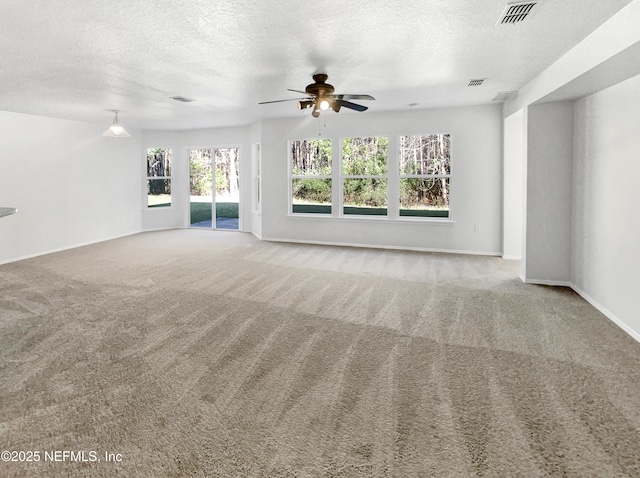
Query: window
[311,176]
[412,181]
[364,173]
[158,177]
[425,175]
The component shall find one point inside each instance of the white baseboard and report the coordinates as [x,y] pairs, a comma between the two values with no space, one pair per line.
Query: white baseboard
[382,246]
[66,248]
[156,229]
[608,314]
[555,283]
[512,258]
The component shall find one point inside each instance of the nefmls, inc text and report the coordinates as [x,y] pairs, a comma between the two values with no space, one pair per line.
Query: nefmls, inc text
[70,455]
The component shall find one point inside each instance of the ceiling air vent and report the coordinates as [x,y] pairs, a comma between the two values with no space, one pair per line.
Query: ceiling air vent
[183,99]
[504,95]
[476,82]
[516,12]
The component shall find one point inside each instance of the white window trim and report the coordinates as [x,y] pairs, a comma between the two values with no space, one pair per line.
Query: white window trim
[431,219]
[393,177]
[342,177]
[146,183]
[308,176]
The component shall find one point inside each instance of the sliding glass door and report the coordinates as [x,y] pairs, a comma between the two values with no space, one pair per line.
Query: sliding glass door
[227,198]
[219,208]
[200,188]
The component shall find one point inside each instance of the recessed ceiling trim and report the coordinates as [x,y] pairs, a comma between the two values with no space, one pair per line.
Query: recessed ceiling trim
[516,12]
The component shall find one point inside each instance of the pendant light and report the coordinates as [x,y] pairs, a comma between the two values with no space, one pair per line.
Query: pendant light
[116,130]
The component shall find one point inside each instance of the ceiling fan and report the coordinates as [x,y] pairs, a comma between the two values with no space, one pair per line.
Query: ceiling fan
[320,96]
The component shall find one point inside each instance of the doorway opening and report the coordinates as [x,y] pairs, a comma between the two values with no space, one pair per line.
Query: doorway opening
[217,208]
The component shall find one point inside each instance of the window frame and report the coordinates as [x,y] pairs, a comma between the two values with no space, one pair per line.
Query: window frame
[402,176]
[393,176]
[342,177]
[293,177]
[149,178]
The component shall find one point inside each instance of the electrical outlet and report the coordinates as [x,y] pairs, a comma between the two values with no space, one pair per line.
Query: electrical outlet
[476,228]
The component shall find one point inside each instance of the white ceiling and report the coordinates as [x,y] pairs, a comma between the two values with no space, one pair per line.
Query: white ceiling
[77,59]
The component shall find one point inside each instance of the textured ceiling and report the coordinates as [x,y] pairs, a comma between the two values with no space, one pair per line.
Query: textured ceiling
[78,59]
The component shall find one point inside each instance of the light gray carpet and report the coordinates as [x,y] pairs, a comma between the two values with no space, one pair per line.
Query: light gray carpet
[202,353]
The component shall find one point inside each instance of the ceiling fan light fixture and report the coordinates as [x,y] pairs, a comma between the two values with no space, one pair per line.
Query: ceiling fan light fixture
[320,97]
[116,130]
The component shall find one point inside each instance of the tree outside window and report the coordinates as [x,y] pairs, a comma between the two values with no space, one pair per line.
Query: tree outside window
[421,182]
[425,175]
[311,176]
[364,169]
[158,177]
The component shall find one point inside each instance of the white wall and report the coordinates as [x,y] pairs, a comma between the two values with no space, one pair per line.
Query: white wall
[476,186]
[548,205]
[180,142]
[597,125]
[71,185]
[606,184]
[614,36]
[514,151]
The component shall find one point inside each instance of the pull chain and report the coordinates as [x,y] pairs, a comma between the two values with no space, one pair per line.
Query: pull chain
[324,119]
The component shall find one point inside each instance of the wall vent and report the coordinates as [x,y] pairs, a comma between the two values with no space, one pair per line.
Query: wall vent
[183,99]
[476,82]
[504,95]
[515,12]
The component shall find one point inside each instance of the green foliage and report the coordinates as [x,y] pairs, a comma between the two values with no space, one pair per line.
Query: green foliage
[365,192]
[227,209]
[226,172]
[222,180]
[158,186]
[201,211]
[317,191]
[424,193]
[200,176]
[365,157]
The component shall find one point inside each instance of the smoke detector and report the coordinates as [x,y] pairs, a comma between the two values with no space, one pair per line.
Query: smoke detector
[515,12]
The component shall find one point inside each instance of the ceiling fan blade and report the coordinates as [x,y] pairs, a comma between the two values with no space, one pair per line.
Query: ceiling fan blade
[354,97]
[298,91]
[288,99]
[353,106]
